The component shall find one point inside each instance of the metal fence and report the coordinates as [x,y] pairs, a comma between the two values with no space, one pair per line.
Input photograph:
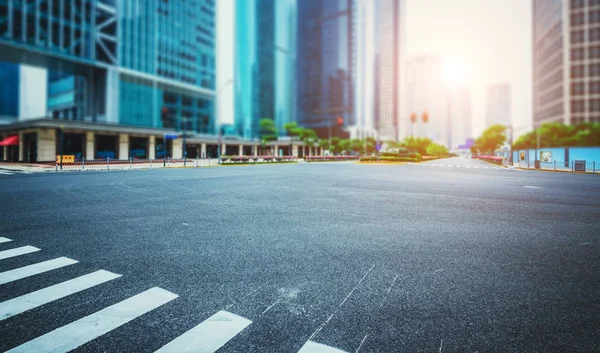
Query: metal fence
[133,163]
[569,166]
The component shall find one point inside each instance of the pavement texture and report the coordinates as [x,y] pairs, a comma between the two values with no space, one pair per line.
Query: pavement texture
[442,256]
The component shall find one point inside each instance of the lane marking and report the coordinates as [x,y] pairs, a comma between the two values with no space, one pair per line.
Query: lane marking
[531,187]
[388,292]
[361,343]
[41,267]
[314,347]
[17,251]
[77,333]
[485,167]
[4,240]
[46,295]
[209,336]
[476,167]
[5,172]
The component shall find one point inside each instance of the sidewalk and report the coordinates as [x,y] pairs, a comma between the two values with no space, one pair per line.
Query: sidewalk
[107,165]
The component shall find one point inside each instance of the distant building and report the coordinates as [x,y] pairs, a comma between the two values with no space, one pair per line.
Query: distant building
[566,70]
[459,122]
[498,104]
[425,92]
[389,62]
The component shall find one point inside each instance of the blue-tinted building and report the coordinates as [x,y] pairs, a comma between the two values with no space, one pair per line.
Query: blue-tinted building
[110,66]
[264,64]
[326,63]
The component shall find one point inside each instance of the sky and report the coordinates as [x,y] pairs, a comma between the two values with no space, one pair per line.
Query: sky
[491,37]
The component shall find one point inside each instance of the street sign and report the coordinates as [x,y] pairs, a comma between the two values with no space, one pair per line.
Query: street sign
[378,147]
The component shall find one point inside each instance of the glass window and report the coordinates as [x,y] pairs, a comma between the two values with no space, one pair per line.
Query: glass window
[577,37]
[594,87]
[577,54]
[594,52]
[577,19]
[577,89]
[575,4]
[577,71]
[577,106]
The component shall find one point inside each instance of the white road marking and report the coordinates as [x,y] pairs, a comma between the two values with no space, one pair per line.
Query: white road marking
[314,347]
[46,295]
[5,172]
[476,167]
[4,240]
[41,267]
[208,336]
[531,187]
[77,333]
[361,343]
[468,166]
[433,165]
[486,168]
[17,251]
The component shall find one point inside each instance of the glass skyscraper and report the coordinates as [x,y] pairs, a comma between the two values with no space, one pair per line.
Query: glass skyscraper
[117,61]
[264,64]
[326,62]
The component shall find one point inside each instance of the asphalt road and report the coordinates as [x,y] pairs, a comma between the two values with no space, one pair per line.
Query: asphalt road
[445,256]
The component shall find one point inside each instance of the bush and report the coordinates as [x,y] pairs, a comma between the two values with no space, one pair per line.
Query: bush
[330,158]
[388,159]
[492,159]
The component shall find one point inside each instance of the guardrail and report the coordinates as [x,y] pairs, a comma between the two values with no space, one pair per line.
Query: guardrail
[133,163]
[569,166]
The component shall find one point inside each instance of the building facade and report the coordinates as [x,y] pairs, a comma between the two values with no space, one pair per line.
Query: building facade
[326,64]
[498,104]
[425,93]
[100,67]
[566,61]
[389,61]
[459,122]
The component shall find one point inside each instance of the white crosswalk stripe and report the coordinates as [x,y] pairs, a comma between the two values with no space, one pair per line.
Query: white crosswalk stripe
[76,334]
[41,267]
[46,295]
[4,240]
[5,172]
[208,336]
[17,251]
[314,347]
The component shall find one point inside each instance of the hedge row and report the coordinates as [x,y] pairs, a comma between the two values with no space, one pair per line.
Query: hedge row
[330,158]
[402,155]
[492,159]
[389,159]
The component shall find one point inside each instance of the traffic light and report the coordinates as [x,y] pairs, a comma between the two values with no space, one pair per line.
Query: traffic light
[425,117]
[340,120]
[413,118]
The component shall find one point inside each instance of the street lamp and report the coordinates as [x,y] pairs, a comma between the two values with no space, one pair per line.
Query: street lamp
[225,84]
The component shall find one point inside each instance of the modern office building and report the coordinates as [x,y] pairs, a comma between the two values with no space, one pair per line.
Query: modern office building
[425,93]
[107,78]
[497,104]
[459,123]
[566,61]
[390,41]
[326,64]
[261,74]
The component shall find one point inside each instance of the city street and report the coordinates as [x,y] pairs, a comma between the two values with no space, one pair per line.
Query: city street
[454,255]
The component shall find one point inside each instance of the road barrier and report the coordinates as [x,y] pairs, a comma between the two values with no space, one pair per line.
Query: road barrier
[579,166]
[131,163]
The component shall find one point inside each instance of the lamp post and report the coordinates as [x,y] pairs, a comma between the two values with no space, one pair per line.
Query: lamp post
[225,84]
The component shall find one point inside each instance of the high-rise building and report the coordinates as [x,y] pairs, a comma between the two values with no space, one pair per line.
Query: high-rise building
[116,75]
[326,64]
[262,72]
[459,123]
[425,93]
[497,104]
[566,72]
[389,63]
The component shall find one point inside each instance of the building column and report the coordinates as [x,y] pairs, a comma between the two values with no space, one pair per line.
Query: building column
[20,147]
[151,147]
[177,152]
[123,146]
[4,149]
[203,151]
[255,150]
[89,145]
[295,151]
[46,148]
[240,150]
[223,149]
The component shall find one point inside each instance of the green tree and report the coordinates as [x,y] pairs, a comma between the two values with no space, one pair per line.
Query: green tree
[268,132]
[292,130]
[491,139]
[324,144]
[308,137]
[435,149]
[335,145]
[345,145]
[560,135]
[417,144]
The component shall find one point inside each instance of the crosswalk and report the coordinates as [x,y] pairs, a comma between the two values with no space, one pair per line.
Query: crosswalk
[206,337]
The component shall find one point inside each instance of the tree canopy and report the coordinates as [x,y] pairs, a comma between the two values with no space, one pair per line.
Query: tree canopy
[268,131]
[560,135]
[490,140]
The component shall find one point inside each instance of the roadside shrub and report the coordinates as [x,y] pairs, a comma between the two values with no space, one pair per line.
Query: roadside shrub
[388,159]
[330,158]
[492,159]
